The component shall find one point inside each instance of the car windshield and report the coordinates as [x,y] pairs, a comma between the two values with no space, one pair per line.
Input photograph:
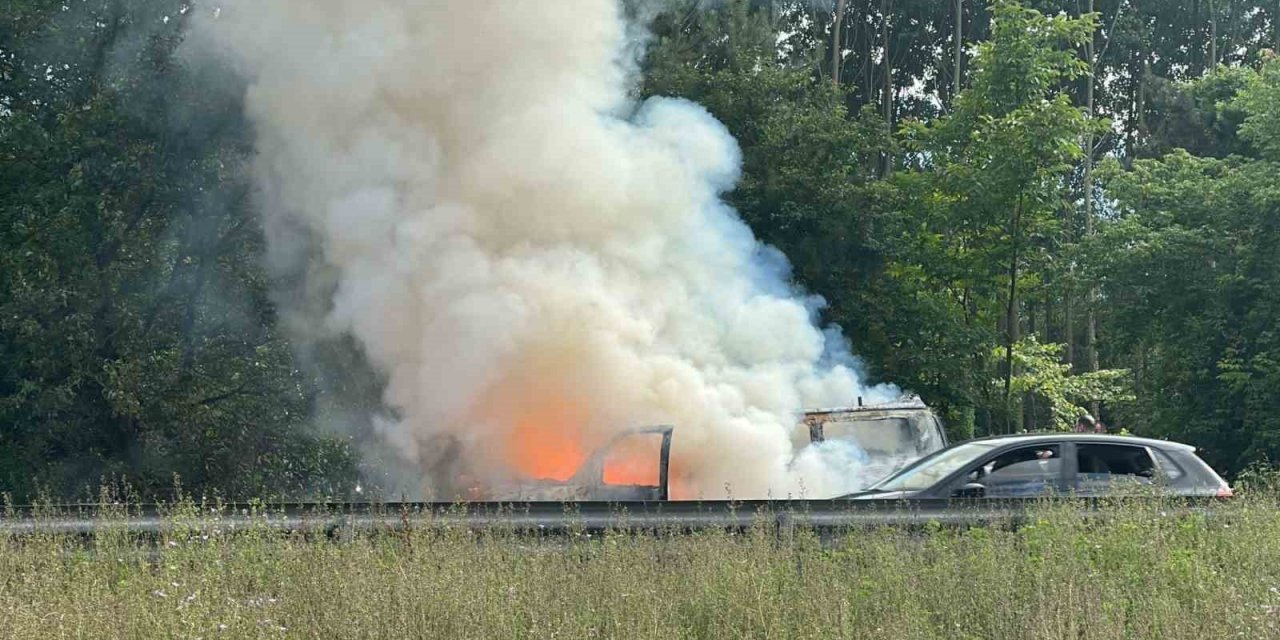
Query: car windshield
[928,471]
[878,437]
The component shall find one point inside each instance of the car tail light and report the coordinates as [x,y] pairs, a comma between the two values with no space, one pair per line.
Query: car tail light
[1225,492]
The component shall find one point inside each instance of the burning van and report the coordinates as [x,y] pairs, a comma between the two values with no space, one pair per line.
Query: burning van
[887,436]
[905,429]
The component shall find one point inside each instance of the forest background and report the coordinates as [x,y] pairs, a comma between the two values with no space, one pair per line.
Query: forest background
[1019,211]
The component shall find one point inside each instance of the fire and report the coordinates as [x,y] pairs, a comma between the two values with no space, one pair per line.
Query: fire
[634,461]
[552,442]
[546,443]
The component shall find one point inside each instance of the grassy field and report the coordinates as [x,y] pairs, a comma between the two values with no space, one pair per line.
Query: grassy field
[1138,574]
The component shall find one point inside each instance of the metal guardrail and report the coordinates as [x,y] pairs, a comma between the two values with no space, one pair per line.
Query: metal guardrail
[552,518]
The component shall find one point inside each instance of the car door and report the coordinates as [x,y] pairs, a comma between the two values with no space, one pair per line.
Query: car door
[1112,469]
[633,466]
[1027,471]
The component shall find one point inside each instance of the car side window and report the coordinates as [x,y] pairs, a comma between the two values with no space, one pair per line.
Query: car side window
[1113,468]
[1024,472]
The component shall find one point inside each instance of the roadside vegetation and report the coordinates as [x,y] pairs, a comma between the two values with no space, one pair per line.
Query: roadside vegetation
[1135,573]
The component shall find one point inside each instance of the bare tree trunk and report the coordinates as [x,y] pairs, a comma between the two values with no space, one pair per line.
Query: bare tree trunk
[836,44]
[959,48]
[1140,131]
[1068,321]
[1029,398]
[1011,315]
[871,38]
[1091,319]
[1213,36]
[888,62]
[1232,29]
[1068,302]
[885,6]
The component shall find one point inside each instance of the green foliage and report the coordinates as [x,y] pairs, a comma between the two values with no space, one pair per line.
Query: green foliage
[983,191]
[138,337]
[1260,100]
[1042,372]
[1191,274]
[1201,116]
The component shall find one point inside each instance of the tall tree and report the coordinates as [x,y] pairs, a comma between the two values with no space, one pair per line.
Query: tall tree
[999,158]
[1091,318]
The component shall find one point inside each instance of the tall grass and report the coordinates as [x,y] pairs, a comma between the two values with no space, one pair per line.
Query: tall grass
[1134,574]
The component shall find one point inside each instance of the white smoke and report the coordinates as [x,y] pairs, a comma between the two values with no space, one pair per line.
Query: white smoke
[515,240]
[837,467]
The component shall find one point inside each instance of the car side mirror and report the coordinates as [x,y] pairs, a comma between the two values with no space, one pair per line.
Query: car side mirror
[970,490]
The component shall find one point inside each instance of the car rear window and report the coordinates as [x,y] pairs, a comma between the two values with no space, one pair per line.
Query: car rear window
[1167,466]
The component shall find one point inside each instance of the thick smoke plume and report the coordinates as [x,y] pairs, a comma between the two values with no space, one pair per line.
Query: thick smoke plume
[533,260]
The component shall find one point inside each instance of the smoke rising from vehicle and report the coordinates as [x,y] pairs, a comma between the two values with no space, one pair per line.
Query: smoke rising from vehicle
[534,261]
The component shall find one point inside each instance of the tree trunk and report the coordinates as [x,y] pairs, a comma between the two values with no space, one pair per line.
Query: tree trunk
[1069,329]
[885,6]
[1068,291]
[189,336]
[870,33]
[1011,315]
[1029,398]
[888,63]
[1140,131]
[1091,319]
[836,44]
[1213,36]
[959,48]
[1232,30]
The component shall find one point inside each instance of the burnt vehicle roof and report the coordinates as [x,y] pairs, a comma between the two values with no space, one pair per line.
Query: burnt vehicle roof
[1100,438]
[900,404]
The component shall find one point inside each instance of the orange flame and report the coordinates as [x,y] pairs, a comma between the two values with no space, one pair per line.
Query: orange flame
[547,442]
[634,461]
[551,441]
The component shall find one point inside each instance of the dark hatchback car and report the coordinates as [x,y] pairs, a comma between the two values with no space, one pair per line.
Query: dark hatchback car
[1032,465]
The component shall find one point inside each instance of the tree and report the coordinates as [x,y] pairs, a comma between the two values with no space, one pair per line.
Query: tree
[991,171]
[139,340]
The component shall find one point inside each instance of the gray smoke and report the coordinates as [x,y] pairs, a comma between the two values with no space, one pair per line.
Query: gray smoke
[527,255]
